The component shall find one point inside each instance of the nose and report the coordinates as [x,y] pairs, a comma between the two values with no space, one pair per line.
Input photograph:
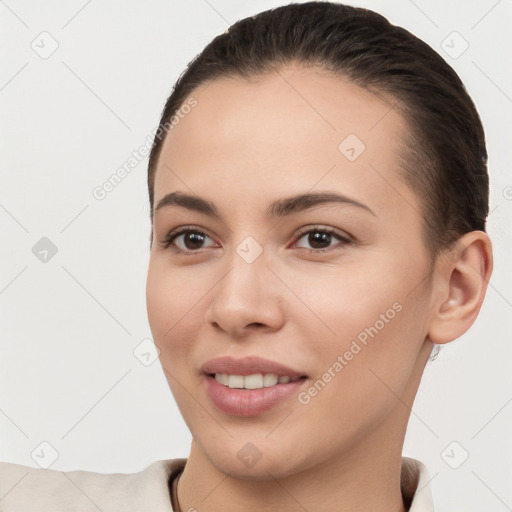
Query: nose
[246,299]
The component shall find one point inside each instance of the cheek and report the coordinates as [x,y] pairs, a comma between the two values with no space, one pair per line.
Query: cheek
[344,304]
[173,305]
[358,385]
[368,332]
[172,298]
[174,315]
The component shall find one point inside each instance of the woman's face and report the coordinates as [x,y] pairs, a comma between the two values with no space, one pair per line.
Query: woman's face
[347,312]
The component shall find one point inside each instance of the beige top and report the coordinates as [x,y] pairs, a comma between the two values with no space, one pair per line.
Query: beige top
[27,489]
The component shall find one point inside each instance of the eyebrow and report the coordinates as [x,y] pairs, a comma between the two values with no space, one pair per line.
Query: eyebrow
[278,208]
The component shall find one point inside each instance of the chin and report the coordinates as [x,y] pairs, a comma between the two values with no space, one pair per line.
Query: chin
[271,460]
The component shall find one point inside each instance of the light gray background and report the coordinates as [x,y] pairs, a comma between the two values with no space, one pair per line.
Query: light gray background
[68,374]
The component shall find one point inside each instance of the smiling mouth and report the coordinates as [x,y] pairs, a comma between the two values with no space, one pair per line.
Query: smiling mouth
[254,381]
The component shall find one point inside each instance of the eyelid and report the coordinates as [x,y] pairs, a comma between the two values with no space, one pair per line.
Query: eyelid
[343,235]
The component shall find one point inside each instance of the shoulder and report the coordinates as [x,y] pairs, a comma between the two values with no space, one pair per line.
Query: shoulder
[26,488]
[415,485]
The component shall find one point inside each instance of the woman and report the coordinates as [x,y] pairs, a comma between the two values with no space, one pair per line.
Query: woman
[318,192]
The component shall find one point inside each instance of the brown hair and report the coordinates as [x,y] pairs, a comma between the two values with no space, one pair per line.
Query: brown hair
[444,156]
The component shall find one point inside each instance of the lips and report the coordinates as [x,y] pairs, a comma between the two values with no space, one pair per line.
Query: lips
[245,402]
[248,366]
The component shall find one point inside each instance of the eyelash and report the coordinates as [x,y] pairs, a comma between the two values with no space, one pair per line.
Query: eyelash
[171,236]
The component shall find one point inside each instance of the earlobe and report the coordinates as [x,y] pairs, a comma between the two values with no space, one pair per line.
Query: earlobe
[462,283]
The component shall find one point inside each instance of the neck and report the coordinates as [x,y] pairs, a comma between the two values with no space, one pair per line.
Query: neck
[367,478]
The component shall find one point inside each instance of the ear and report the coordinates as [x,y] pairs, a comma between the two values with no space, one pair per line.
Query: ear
[463,274]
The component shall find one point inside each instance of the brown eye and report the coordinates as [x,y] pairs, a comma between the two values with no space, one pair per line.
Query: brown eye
[185,240]
[320,239]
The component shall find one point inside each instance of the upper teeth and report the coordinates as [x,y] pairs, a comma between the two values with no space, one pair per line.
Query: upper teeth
[254,381]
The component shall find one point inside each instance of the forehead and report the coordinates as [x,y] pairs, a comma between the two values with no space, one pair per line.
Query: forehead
[292,129]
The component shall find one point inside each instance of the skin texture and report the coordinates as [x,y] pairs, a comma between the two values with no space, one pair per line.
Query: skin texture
[245,144]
